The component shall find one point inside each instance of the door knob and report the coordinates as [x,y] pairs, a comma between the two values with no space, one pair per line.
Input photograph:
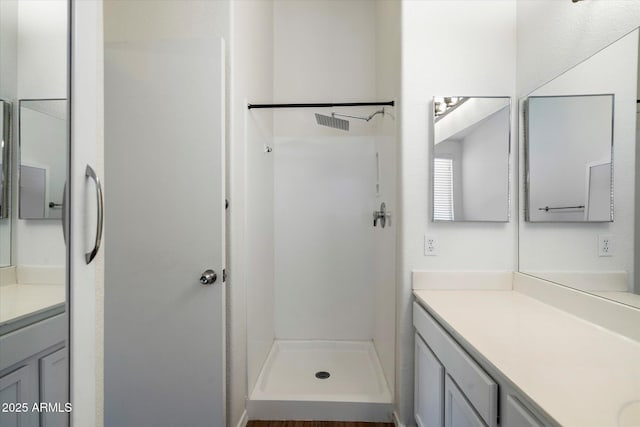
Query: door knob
[208,277]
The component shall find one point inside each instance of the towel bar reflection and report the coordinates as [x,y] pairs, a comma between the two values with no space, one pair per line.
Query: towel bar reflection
[547,208]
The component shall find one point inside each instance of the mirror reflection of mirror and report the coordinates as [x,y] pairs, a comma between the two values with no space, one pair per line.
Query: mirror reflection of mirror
[43,142]
[5,186]
[569,141]
[598,258]
[471,159]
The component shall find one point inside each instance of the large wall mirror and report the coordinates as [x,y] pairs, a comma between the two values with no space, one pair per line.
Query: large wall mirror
[470,161]
[581,135]
[34,80]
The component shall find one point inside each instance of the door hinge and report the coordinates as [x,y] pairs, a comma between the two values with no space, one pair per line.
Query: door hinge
[226,204]
[224,274]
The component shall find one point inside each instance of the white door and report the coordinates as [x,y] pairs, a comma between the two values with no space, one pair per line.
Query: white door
[164,227]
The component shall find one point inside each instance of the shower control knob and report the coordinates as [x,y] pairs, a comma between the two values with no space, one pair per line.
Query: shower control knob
[208,277]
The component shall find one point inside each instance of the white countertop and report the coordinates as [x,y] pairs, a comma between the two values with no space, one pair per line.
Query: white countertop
[581,374]
[21,300]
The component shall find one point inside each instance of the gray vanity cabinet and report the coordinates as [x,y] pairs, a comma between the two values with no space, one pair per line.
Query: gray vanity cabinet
[18,392]
[33,368]
[53,387]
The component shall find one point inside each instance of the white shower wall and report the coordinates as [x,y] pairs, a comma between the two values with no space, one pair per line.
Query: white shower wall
[324,196]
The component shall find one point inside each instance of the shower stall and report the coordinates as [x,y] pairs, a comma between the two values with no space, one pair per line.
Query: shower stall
[313,211]
[331,356]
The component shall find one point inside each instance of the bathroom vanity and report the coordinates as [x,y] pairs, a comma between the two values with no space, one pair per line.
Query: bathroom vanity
[34,368]
[502,357]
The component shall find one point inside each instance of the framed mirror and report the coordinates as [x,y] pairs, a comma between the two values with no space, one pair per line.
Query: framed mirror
[569,168]
[470,159]
[590,160]
[43,160]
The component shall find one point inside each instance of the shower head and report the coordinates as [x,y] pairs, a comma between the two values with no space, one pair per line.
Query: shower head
[332,121]
[336,123]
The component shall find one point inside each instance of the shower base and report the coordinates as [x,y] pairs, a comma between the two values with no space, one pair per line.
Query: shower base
[293,384]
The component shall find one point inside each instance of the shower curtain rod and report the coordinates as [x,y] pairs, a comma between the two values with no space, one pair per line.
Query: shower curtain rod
[320,105]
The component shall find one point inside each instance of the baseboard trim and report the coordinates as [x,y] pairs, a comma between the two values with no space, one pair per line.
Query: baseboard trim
[301,410]
[244,419]
[396,419]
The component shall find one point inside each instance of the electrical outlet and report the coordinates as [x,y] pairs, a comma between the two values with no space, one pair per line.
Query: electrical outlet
[605,245]
[430,248]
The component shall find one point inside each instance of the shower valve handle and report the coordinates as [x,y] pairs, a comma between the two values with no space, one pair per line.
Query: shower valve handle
[383,215]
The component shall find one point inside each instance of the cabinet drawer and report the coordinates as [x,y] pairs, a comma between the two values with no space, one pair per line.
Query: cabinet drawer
[457,411]
[474,383]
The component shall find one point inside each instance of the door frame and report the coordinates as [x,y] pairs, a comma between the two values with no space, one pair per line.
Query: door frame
[84,282]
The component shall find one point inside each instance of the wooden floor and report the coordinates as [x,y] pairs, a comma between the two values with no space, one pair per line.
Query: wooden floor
[261,423]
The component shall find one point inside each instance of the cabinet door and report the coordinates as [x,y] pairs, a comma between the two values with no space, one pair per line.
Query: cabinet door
[53,388]
[458,412]
[429,387]
[516,415]
[18,391]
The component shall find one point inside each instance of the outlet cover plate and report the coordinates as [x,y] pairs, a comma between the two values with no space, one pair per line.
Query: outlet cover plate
[430,245]
[606,245]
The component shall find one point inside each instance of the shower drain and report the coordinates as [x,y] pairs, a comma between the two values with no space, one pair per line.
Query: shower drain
[322,375]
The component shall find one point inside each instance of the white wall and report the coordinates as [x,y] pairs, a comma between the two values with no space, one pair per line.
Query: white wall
[446,49]
[556,35]
[573,247]
[250,189]
[42,49]
[41,73]
[8,49]
[485,169]
[324,51]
